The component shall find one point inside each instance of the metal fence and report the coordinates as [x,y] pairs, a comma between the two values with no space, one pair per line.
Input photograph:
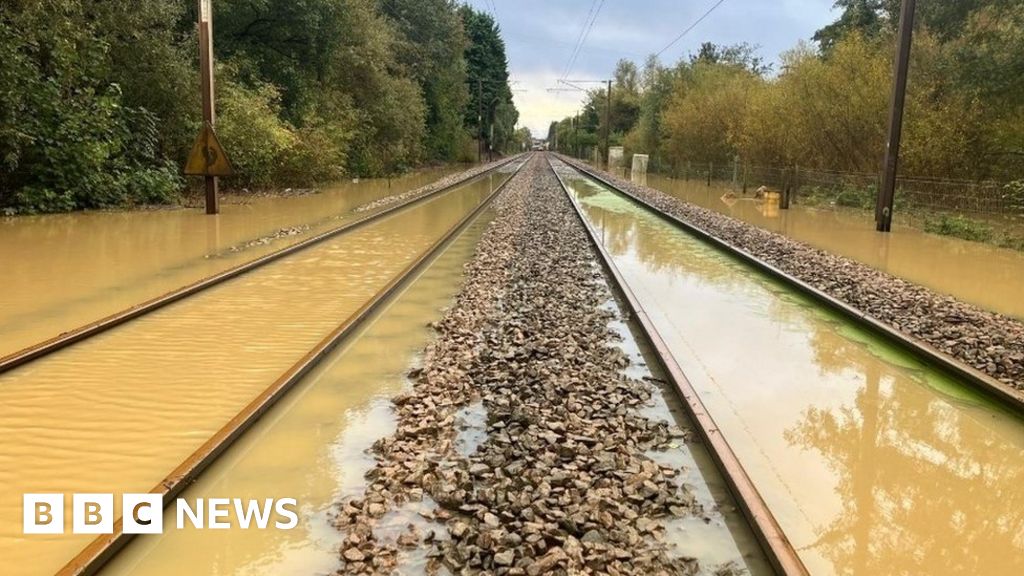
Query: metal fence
[855,189]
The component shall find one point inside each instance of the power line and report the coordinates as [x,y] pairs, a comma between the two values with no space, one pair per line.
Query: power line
[588,25]
[691,27]
[579,37]
[585,36]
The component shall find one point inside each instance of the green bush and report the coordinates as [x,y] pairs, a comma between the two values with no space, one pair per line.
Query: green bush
[69,138]
[1014,195]
[959,226]
[249,126]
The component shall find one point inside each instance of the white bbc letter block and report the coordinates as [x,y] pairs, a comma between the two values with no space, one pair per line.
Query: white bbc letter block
[42,514]
[142,514]
[92,513]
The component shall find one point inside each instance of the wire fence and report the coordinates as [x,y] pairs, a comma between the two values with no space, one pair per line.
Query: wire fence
[816,187]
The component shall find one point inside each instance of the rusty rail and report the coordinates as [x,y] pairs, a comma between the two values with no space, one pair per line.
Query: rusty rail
[1005,394]
[773,540]
[73,336]
[105,547]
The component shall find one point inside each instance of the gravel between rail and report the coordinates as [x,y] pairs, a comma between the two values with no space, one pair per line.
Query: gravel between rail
[990,342]
[557,480]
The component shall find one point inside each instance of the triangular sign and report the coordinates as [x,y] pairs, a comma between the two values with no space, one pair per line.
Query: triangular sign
[207,157]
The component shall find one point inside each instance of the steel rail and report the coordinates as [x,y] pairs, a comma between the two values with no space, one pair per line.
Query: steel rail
[776,546]
[86,331]
[105,547]
[1004,393]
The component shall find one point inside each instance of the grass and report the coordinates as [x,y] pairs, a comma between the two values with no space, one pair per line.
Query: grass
[953,225]
[959,226]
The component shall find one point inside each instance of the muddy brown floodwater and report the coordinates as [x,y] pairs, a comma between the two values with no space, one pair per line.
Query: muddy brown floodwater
[62,271]
[313,446]
[981,274]
[871,462]
[117,412]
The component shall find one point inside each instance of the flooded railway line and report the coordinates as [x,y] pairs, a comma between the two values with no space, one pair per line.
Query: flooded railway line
[313,444]
[376,210]
[140,399]
[562,461]
[90,265]
[520,442]
[703,527]
[870,460]
[979,346]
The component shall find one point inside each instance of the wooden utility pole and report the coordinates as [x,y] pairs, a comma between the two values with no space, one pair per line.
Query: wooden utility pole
[206,86]
[608,125]
[480,121]
[576,137]
[887,192]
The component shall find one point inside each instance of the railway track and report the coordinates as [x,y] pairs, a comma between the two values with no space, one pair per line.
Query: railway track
[758,510]
[776,545]
[468,198]
[65,339]
[930,384]
[1011,397]
[101,550]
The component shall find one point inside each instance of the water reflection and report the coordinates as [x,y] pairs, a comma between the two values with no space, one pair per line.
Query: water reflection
[910,469]
[871,462]
[985,275]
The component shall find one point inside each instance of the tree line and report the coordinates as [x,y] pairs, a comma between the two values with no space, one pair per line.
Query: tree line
[826,106]
[99,101]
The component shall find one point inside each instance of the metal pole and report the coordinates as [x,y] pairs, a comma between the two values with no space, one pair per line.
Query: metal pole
[787,186]
[480,121]
[577,135]
[608,125]
[206,87]
[886,194]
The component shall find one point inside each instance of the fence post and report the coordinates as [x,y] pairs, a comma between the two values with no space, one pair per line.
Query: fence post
[735,170]
[787,183]
[796,182]
[711,168]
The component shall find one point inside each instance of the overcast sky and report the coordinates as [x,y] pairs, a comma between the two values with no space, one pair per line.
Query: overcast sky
[540,36]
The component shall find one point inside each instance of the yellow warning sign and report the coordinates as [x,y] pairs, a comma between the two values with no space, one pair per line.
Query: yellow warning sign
[207,157]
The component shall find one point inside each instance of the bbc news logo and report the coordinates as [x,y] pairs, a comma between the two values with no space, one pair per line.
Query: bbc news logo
[144,513]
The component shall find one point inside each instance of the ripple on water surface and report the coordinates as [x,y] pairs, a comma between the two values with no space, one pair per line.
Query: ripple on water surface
[313,446]
[118,412]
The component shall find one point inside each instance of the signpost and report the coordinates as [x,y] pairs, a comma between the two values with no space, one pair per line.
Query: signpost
[207,158]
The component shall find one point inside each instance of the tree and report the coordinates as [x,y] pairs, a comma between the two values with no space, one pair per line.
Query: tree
[869,18]
[69,137]
[487,75]
[430,48]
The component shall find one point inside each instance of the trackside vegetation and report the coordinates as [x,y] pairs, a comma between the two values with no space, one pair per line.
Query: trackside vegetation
[99,102]
[824,106]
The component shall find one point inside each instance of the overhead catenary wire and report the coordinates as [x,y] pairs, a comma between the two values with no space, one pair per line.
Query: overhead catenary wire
[690,27]
[588,25]
[576,44]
